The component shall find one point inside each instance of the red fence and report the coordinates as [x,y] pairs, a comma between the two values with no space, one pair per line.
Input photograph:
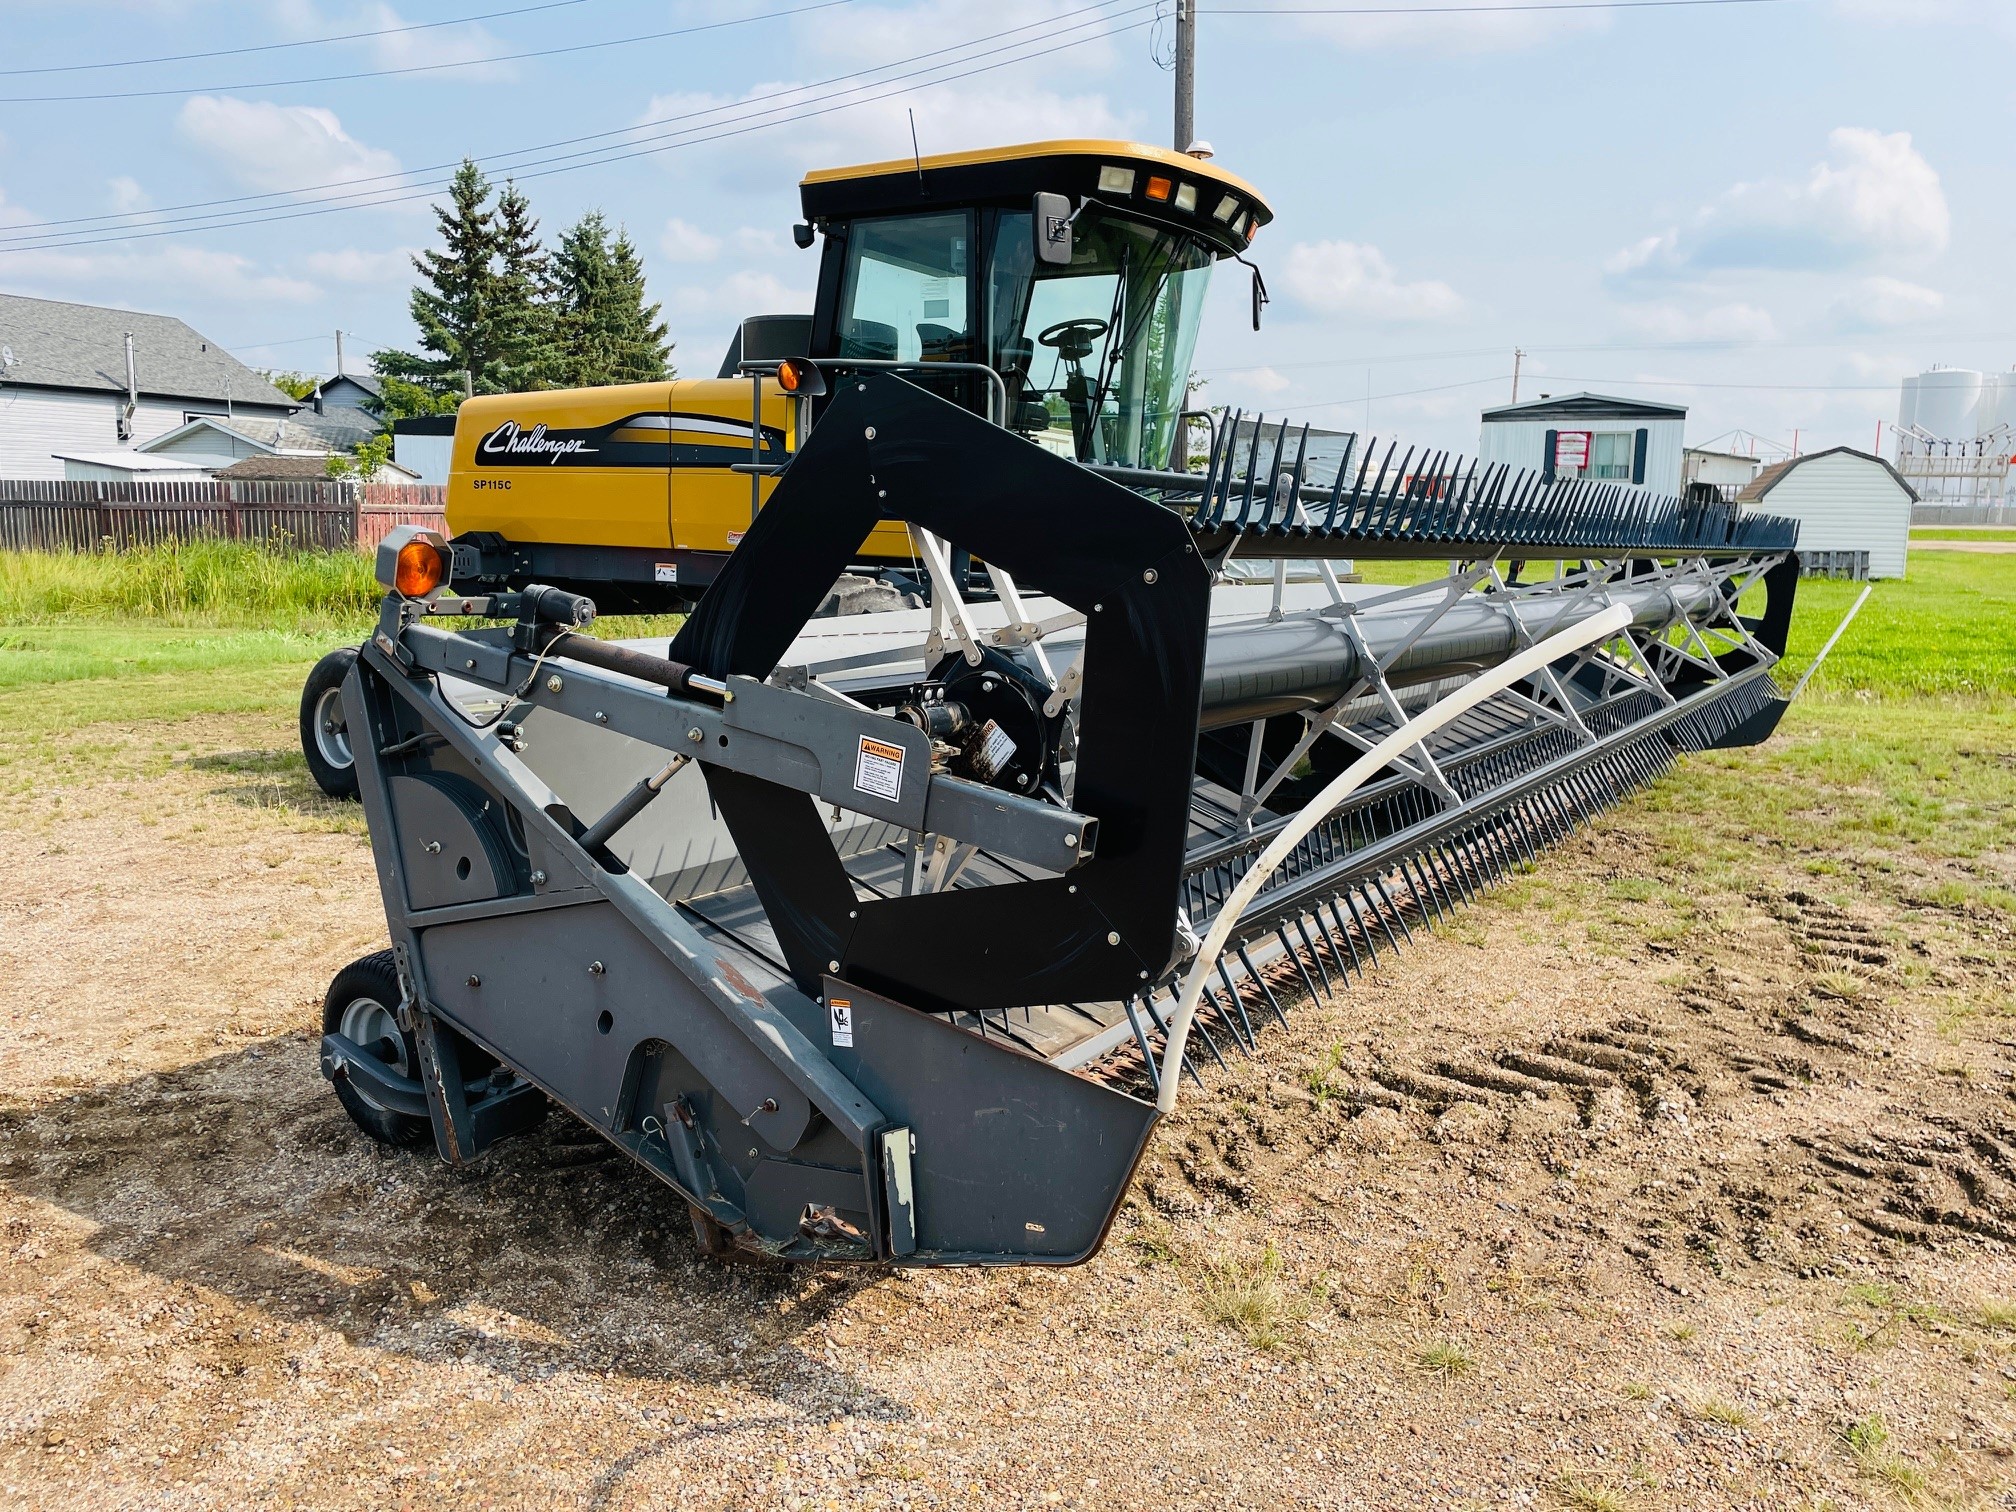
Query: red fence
[38,514]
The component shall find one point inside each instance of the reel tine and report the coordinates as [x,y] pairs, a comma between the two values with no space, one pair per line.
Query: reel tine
[1330,942]
[1148,1002]
[1238,1002]
[1265,990]
[1302,929]
[1141,1039]
[1344,931]
[1212,998]
[1307,980]
[1394,909]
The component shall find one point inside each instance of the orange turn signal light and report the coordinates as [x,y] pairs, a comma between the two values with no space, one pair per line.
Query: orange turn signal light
[1159,188]
[419,571]
[800,378]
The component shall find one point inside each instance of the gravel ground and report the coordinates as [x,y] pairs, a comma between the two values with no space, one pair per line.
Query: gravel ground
[1632,1187]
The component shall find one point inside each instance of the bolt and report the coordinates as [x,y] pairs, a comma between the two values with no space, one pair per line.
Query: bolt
[1098,608]
[1071,842]
[600,717]
[881,493]
[475,980]
[1150,575]
[753,1155]
[432,847]
[832,965]
[694,735]
[538,879]
[596,968]
[1113,938]
[870,433]
[469,662]
[553,683]
[1023,780]
[853,913]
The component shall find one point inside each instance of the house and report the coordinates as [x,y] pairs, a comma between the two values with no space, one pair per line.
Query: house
[1595,436]
[81,380]
[1719,474]
[1853,509]
[358,391]
[216,442]
[128,467]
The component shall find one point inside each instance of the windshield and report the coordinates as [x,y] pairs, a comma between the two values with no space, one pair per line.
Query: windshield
[1097,353]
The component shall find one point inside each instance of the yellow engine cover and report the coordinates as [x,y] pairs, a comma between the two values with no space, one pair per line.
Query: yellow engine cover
[639,464]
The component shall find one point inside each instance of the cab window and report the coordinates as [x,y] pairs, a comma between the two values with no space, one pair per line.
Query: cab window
[905,294]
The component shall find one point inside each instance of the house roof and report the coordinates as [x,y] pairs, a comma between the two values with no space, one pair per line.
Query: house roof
[371,383]
[77,346]
[1586,406]
[297,469]
[305,434]
[1755,490]
[132,461]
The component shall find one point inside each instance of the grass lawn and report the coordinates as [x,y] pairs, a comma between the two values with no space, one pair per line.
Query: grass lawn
[1962,533]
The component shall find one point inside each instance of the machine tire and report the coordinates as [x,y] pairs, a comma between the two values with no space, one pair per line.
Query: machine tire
[364,999]
[325,743]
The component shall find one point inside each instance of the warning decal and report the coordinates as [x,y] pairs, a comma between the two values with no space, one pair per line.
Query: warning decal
[878,770]
[842,1013]
[665,572]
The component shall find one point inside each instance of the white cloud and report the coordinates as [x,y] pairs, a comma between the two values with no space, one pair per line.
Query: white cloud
[1873,196]
[403,47]
[1351,278]
[684,243]
[356,265]
[748,292]
[1880,302]
[126,196]
[1262,380]
[279,147]
[171,273]
[870,35]
[1723,322]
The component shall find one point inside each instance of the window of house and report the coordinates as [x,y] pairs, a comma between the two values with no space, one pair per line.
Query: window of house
[1610,455]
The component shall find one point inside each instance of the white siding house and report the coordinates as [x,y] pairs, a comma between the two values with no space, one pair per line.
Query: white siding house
[1631,441]
[65,386]
[1853,509]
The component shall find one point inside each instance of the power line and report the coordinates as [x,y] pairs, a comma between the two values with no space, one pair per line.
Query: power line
[46,234]
[229,52]
[1469,10]
[784,116]
[417,68]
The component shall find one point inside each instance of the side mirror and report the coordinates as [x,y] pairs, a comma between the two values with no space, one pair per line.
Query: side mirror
[1050,218]
[1260,296]
[801,233]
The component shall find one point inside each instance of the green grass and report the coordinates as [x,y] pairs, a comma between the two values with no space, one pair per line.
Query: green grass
[1961,533]
[1948,627]
[207,583]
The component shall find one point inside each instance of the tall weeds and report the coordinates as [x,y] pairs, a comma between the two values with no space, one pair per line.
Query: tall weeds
[200,582]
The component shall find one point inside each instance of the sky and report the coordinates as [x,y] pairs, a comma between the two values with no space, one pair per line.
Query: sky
[1767,210]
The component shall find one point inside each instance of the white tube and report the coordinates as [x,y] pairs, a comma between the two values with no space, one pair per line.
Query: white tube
[1610,622]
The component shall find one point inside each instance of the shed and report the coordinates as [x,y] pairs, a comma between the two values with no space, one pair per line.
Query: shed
[1595,436]
[1853,509]
[128,467]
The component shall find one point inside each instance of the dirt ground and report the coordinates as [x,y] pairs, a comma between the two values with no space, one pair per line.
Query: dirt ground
[1680,1172]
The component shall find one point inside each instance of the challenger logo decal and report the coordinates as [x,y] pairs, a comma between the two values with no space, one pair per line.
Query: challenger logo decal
[512,440]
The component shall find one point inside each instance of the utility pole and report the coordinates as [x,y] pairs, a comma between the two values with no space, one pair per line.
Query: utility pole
[1186,75]
[1517,357]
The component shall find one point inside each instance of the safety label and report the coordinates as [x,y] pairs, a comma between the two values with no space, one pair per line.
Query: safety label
[878,770]
[842,1012]
[666,572]
[997,749]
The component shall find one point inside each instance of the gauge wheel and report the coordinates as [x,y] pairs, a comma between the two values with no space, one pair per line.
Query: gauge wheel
[363,1006]
[325,731]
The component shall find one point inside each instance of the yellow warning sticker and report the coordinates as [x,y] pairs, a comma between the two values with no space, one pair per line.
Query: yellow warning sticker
[878,770]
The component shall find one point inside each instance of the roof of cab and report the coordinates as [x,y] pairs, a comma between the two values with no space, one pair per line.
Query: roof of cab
[1006,173]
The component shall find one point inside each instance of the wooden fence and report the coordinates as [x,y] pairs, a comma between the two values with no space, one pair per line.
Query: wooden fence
[40,514]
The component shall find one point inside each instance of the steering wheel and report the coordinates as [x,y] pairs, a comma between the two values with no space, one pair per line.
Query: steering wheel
[1072,339]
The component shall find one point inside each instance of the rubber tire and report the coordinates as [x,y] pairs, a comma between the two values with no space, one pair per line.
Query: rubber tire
[375,977]
[338,781]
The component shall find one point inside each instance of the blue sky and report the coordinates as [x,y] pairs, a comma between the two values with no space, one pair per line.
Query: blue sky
[1767,211]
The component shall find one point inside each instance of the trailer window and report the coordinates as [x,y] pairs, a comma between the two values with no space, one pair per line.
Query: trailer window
[905,296]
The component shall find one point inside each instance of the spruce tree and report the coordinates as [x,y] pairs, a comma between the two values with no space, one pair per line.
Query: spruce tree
[527,354]
[456,305]
[606,330]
